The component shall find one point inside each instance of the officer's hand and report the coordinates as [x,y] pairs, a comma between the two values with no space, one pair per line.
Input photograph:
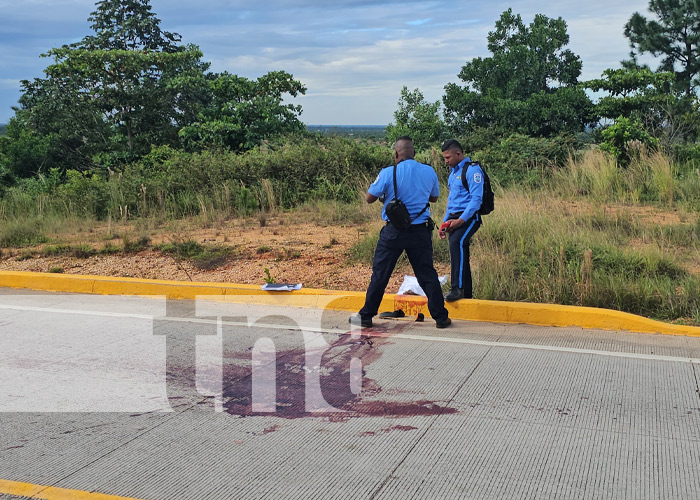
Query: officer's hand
[442,233]
[456,224]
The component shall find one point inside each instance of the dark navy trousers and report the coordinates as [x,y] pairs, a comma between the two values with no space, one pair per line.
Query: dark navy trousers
[460,269]
[417,242]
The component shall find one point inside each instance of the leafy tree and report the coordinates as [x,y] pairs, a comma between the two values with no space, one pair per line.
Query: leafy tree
[128,25]
[638,93]
[24,153]
[529,84]
[238,113]
[115,92]
[130,85]
[417,118]
[630,91]
[675,36]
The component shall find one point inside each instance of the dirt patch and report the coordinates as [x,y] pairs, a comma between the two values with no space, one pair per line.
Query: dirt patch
[293,252]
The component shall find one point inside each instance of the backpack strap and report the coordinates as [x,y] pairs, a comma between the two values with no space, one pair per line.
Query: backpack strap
[396,189]
[464,172]
[396,196]
[421,212]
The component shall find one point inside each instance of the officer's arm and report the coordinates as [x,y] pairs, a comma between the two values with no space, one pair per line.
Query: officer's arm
[435,191]
[371,198]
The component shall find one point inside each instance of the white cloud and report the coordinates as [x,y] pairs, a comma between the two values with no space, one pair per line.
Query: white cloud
[9,84]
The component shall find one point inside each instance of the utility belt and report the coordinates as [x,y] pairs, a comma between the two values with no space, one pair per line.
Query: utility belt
[430,224]
[457,215]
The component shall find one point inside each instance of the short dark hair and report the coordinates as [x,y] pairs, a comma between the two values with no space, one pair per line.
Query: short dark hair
[404,138]
[452,144]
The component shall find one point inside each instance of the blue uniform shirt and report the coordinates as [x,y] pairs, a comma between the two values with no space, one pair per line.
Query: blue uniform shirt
[461,200]
[416,183]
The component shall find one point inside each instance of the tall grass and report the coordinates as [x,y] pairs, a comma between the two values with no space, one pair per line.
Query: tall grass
[529,252]
[536,248]
[650,177]
[663,178]
[577,239]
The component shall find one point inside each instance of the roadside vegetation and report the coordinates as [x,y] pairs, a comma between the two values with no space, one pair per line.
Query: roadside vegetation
[584,233]
[597,201]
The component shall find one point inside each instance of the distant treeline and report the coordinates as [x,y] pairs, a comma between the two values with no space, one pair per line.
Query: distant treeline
[358,131]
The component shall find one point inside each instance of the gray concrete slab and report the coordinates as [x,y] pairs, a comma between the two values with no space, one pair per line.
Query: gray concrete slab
[152,399]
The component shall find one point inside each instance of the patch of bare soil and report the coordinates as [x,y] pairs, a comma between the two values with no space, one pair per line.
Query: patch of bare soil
[293,252]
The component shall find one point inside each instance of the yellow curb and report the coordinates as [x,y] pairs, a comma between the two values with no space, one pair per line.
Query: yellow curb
[51,492]
[473,310]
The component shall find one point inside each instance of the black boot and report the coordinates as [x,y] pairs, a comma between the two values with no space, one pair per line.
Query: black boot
[357,320]
[455,294]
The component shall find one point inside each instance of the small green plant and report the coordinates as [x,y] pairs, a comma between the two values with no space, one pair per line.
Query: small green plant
[268,276]
[55,250]
[136,246]
[363,250]
[203,257]
[288,254]
[214,257]
[57,270]
[83,251]
[80,252]
[262,249]
[109,249]
[183,249]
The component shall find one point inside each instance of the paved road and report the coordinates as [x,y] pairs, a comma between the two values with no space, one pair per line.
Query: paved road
[155,399]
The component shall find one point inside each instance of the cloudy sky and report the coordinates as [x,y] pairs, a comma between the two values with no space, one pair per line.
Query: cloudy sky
[354,56]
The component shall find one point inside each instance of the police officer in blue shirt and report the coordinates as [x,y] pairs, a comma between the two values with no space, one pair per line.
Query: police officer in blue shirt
[417,184]
[462,215]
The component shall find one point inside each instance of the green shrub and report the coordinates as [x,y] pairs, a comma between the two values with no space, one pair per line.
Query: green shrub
[109,249]
[524,160]
[184,250]
[363,250]
[624,138]
[139,245]
[203,257]
[25,256]
[296,171]
[213,257]
[19,233]
[55,250]
[84,195]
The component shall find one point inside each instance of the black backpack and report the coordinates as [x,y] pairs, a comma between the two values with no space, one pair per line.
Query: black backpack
[487,199]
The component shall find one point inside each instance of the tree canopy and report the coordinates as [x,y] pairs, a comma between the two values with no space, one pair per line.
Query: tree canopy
[129,85]
[638,93]
[674,36]
[418,118]
[528,85]
[238,113]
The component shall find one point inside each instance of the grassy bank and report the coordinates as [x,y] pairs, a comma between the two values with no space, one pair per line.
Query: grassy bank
[585,233]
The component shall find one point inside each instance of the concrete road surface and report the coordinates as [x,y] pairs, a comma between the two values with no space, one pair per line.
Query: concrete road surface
[148,398]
